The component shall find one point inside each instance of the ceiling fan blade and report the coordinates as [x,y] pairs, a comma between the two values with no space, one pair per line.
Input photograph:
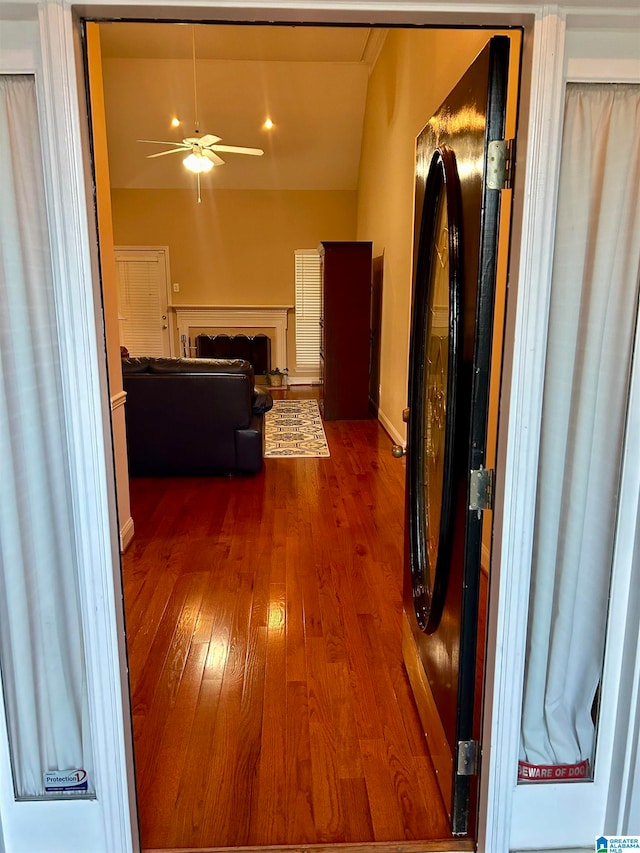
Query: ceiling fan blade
[211,155]
[207,139]
[236,149]
[172,151]
[160,141]
[201,140]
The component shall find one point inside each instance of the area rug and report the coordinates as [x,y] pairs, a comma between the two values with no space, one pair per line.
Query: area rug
[293,429]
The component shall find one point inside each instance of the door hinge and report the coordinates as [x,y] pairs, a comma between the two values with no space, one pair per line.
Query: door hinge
[481,489]
[468,757]
[500,164]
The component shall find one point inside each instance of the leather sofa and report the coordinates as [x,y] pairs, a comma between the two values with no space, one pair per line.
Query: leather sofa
[193,416]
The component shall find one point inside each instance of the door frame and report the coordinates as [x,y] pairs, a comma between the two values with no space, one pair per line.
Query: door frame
[76,285]
[593,51]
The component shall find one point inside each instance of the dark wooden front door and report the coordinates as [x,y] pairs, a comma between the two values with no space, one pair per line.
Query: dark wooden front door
[456,238]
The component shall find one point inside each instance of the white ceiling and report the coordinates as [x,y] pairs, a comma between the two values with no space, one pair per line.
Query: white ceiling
[312,82]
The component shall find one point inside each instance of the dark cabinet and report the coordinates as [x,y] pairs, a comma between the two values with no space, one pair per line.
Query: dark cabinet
[345,330]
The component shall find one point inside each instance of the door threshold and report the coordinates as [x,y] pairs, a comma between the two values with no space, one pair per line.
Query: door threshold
[445,845]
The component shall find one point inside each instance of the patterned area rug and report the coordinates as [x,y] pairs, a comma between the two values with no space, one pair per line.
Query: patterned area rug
[293,428]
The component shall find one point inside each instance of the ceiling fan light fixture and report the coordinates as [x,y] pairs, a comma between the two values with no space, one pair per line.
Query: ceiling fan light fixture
[197,163]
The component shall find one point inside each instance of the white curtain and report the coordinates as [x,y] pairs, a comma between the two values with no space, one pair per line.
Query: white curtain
[41,648]
[592,320]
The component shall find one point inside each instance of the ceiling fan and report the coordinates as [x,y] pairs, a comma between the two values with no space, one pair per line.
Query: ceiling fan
[202,150]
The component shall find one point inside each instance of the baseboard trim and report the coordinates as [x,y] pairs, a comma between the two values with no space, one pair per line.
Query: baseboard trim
[126,534]
[390,429]
[303,380]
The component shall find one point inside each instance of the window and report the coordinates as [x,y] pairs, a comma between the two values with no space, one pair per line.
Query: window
[308,291]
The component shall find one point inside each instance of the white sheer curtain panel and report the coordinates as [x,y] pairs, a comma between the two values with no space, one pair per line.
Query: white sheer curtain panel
[591,329]
[41,648]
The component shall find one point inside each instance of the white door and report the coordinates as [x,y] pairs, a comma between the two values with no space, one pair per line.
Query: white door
[581,665]
[143,301]
[63,700]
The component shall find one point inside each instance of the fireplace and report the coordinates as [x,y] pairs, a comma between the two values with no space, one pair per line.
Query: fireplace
[273,319]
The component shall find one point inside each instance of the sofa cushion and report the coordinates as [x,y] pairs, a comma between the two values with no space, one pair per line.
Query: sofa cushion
[199,365]
[151,364]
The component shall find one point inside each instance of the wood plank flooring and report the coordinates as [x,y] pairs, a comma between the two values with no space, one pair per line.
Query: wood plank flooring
[270,701]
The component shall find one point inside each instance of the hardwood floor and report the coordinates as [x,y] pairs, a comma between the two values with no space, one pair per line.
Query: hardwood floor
[270,701]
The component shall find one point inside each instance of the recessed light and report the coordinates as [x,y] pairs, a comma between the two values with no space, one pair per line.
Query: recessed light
[175,122]
[268,124]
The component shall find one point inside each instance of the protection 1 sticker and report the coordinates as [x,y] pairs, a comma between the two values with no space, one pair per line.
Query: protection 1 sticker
[65,780]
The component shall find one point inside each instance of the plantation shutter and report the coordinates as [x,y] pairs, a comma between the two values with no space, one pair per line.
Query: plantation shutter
[308,292]
[140,285]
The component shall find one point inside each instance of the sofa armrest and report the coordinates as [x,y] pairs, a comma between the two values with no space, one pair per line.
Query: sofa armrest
[249,446]
[261,401]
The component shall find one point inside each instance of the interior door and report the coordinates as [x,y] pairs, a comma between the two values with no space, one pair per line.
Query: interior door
[143,301]
[456,239]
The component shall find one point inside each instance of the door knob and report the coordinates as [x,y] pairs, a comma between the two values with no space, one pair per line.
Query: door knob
[164,326]
[405,415]
[398,451]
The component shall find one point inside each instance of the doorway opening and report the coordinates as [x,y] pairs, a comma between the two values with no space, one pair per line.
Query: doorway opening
[218,524]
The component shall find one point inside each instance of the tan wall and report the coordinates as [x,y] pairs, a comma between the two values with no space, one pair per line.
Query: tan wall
[103,206]
[108,277]
[236,248]
[415,72]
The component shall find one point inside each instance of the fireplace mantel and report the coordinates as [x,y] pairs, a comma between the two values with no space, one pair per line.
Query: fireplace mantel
[238,317]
